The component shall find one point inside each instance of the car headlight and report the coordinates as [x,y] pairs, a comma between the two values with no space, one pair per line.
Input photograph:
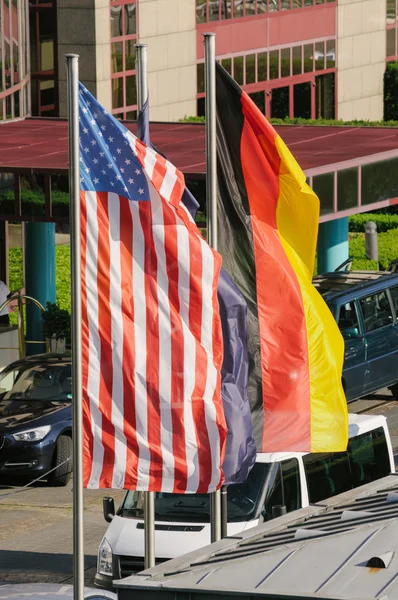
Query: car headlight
[104,565]
[32,435]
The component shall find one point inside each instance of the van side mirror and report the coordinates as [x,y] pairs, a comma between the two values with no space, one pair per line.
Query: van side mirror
[108,508]
[278,510]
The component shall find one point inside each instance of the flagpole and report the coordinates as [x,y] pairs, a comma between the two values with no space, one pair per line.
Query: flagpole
[72,65]
[141,66]
[211,209]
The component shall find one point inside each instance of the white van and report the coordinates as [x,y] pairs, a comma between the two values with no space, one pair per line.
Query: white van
[277,480]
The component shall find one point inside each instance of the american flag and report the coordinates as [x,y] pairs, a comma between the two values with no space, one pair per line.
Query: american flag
[152,340]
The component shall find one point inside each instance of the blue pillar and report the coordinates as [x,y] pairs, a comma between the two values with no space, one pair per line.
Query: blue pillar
[39,278]
[332,244]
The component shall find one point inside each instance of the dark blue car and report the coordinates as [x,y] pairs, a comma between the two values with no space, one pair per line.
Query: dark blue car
[365,305]
[36,419]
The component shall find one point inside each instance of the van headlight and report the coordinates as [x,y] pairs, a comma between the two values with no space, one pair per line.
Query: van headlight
[104,566]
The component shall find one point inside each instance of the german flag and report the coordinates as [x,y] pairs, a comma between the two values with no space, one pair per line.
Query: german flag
[267,232]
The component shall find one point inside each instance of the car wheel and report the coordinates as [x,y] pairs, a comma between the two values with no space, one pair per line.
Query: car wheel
[394,390]
[62,473]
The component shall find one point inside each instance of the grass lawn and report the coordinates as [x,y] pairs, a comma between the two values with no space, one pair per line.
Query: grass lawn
[388,251]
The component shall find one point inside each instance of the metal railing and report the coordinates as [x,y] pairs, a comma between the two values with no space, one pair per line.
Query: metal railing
[20,324]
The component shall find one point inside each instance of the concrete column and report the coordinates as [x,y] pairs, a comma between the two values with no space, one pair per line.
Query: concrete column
[84,28]
[169,29]
[361,59]
[39,278]
[332,244]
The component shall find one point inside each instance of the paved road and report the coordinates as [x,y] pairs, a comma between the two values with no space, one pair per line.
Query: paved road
[36,524]
[36,533]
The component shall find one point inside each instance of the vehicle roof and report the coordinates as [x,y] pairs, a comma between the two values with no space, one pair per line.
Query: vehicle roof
[357,424]
[344,548]
[39,359]
[349,284]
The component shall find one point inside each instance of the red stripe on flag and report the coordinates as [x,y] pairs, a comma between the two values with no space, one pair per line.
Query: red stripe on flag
[283,336]
[198,406]
[126,269]
[152,349]
[177,352]
[88,443]
[105,333]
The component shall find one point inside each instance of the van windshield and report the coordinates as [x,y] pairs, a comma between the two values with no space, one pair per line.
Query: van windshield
[242,498]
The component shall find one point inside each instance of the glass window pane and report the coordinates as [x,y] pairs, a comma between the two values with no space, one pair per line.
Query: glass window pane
[285,62]
[319,56]
[227,64]
[17,108]
[273,5]
[129,51]
[308,2]
[394,298]
[297,63]
[280,103]
[259,100]
[130,22]
[274,64]
[319,1]
[7,64]
[15,60]
[285,4]
[325,96]
[376,311]
[327,475]
[308,58]
[214,10]
[250,7]
[390,11]
[261,6]
[117,57]
[296,4]
[251,68]
[226,9]
[200,107]
[117,92]
[238,69]
[302,100]
[200,77]
[46,41]
[7,202]
[238,8]
[262,66]
[47,93]
[116,21]
[368,455]
[391,51]
[347,188]
[32,194]
[132,115]
[131,90]
[348,321]
[379,181]
[201,11]
[330,54]
[323,186]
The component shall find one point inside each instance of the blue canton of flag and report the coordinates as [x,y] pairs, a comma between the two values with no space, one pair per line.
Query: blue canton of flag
[108,161]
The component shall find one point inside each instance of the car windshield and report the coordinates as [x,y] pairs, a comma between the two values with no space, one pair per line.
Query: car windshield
[45,381]
[242,498]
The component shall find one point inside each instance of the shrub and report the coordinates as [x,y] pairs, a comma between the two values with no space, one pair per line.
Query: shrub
[384,222]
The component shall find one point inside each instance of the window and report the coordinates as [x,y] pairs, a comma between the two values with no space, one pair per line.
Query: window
[288,494]
[280,103]
[327,475]
[323,186]
[262,66]
[297,66]
[201,11]
[250,63]
[369,459]
[285,62]
[376,311]
[348,320]
[394,298]
[238,69]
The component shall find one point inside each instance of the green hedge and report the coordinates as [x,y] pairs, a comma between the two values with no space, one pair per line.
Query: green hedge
[316,122]
[391,92]
[33,203]
[384,222]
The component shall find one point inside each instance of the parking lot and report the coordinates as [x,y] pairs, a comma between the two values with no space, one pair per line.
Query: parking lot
[36,522]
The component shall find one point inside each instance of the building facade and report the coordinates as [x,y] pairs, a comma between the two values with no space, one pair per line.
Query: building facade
[295,58]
